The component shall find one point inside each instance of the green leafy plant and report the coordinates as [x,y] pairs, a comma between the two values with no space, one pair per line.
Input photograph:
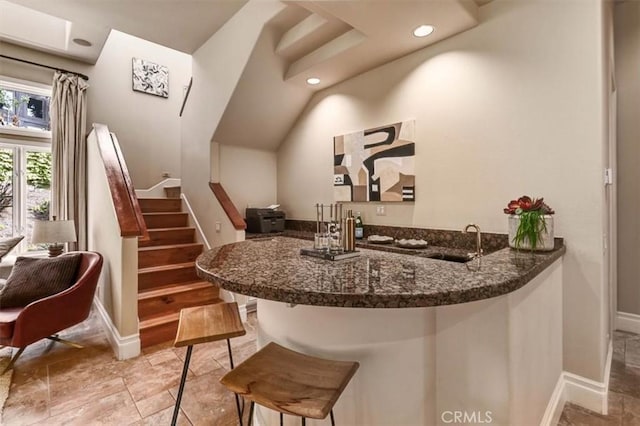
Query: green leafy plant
[4,99]
[39,169]
[6,179]
[9,105]
[41,211]
[532,219]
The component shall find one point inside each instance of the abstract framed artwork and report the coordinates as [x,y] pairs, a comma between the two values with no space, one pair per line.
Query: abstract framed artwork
[150,78]
[375,164]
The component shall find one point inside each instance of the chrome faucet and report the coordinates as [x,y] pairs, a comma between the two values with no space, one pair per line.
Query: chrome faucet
[478,237]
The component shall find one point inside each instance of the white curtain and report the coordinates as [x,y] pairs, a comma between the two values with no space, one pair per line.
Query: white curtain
[69,154]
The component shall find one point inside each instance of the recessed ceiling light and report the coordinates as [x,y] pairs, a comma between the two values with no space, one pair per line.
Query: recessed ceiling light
[423,30]
[313,81]
[82,42]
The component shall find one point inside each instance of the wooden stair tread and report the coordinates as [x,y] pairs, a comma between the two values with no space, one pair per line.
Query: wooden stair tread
[160,320]
[166,235]
[163,213]
[167,267]
[173,289]
[169,246]
[156,220]
[160,207]
[175,228]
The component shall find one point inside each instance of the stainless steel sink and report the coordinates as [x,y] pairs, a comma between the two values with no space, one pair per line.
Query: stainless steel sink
[459,258]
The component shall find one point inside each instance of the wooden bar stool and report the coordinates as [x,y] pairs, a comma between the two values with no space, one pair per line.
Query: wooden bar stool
[290,382]
[203,324]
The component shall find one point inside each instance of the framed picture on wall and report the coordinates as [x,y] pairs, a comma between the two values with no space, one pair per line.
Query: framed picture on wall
[375,164]
[151,78]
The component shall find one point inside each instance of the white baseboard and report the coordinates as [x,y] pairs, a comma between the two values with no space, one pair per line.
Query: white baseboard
[252,304]
[157,190]
[588,393]
[628,322]
[123,347]
[243,312]
[581,391]
[585,392]
[556,404]
[201,237]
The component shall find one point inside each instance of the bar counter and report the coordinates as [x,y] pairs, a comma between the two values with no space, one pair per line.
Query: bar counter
[432,337]
[272,268]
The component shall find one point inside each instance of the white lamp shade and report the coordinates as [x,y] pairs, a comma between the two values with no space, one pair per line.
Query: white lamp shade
[53,231]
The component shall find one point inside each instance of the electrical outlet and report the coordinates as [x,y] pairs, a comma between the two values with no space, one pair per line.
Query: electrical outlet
[380,211]
[218,226]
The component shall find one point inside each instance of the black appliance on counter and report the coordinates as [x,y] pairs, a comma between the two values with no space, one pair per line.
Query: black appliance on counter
[264,221]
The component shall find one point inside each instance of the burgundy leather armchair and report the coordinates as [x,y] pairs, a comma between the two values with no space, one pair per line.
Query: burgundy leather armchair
[20,327]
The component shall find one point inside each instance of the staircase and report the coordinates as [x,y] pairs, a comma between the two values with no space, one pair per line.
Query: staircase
[167,280]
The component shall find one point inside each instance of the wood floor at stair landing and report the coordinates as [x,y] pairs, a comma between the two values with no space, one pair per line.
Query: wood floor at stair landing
[167,279]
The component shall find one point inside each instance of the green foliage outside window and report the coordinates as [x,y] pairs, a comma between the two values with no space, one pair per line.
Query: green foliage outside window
[38,176]
[39,169]
[6,178]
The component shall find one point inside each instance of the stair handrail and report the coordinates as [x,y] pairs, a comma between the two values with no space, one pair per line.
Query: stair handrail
[227,205]
[123,194]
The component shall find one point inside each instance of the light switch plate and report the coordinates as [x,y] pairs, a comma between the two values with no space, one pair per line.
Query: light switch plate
[380,211]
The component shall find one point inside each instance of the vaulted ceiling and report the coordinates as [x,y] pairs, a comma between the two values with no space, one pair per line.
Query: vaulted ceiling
[332,40]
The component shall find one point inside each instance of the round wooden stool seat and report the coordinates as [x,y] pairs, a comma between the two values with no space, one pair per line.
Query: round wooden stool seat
[203,324]
[290,382]
[208,323]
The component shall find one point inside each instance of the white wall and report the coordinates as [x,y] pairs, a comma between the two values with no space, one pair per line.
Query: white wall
[118,288]
[511,107]
[148,127]
[249,176]
[627,53]
[30,72]
[216,70]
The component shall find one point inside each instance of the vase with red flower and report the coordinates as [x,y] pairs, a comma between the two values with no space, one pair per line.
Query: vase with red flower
[530,224]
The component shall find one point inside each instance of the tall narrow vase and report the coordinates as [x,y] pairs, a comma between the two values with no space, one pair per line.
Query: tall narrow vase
[545,239]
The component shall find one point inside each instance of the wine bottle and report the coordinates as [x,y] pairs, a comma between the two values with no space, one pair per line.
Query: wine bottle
[359,227]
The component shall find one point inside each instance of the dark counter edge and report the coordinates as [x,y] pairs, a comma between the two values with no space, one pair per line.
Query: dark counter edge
[367,300]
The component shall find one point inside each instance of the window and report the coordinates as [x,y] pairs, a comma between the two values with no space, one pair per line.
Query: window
[25,160]
[24,107]
[25,190]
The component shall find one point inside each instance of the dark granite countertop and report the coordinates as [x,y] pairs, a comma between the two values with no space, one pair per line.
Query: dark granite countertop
[271,267]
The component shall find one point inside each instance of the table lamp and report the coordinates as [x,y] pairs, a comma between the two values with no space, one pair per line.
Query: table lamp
[55,233]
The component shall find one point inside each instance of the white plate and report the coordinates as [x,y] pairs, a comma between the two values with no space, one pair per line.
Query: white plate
[379,239]
[415,244]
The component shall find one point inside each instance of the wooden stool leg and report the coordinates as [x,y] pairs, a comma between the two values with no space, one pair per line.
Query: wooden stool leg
[333,421]
[230,355]
[281,419]
[185,370]
[238,409]
[304,421]
[251,413]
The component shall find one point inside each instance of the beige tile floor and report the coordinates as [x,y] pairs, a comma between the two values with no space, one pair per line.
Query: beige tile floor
[624,388]
[56,384]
